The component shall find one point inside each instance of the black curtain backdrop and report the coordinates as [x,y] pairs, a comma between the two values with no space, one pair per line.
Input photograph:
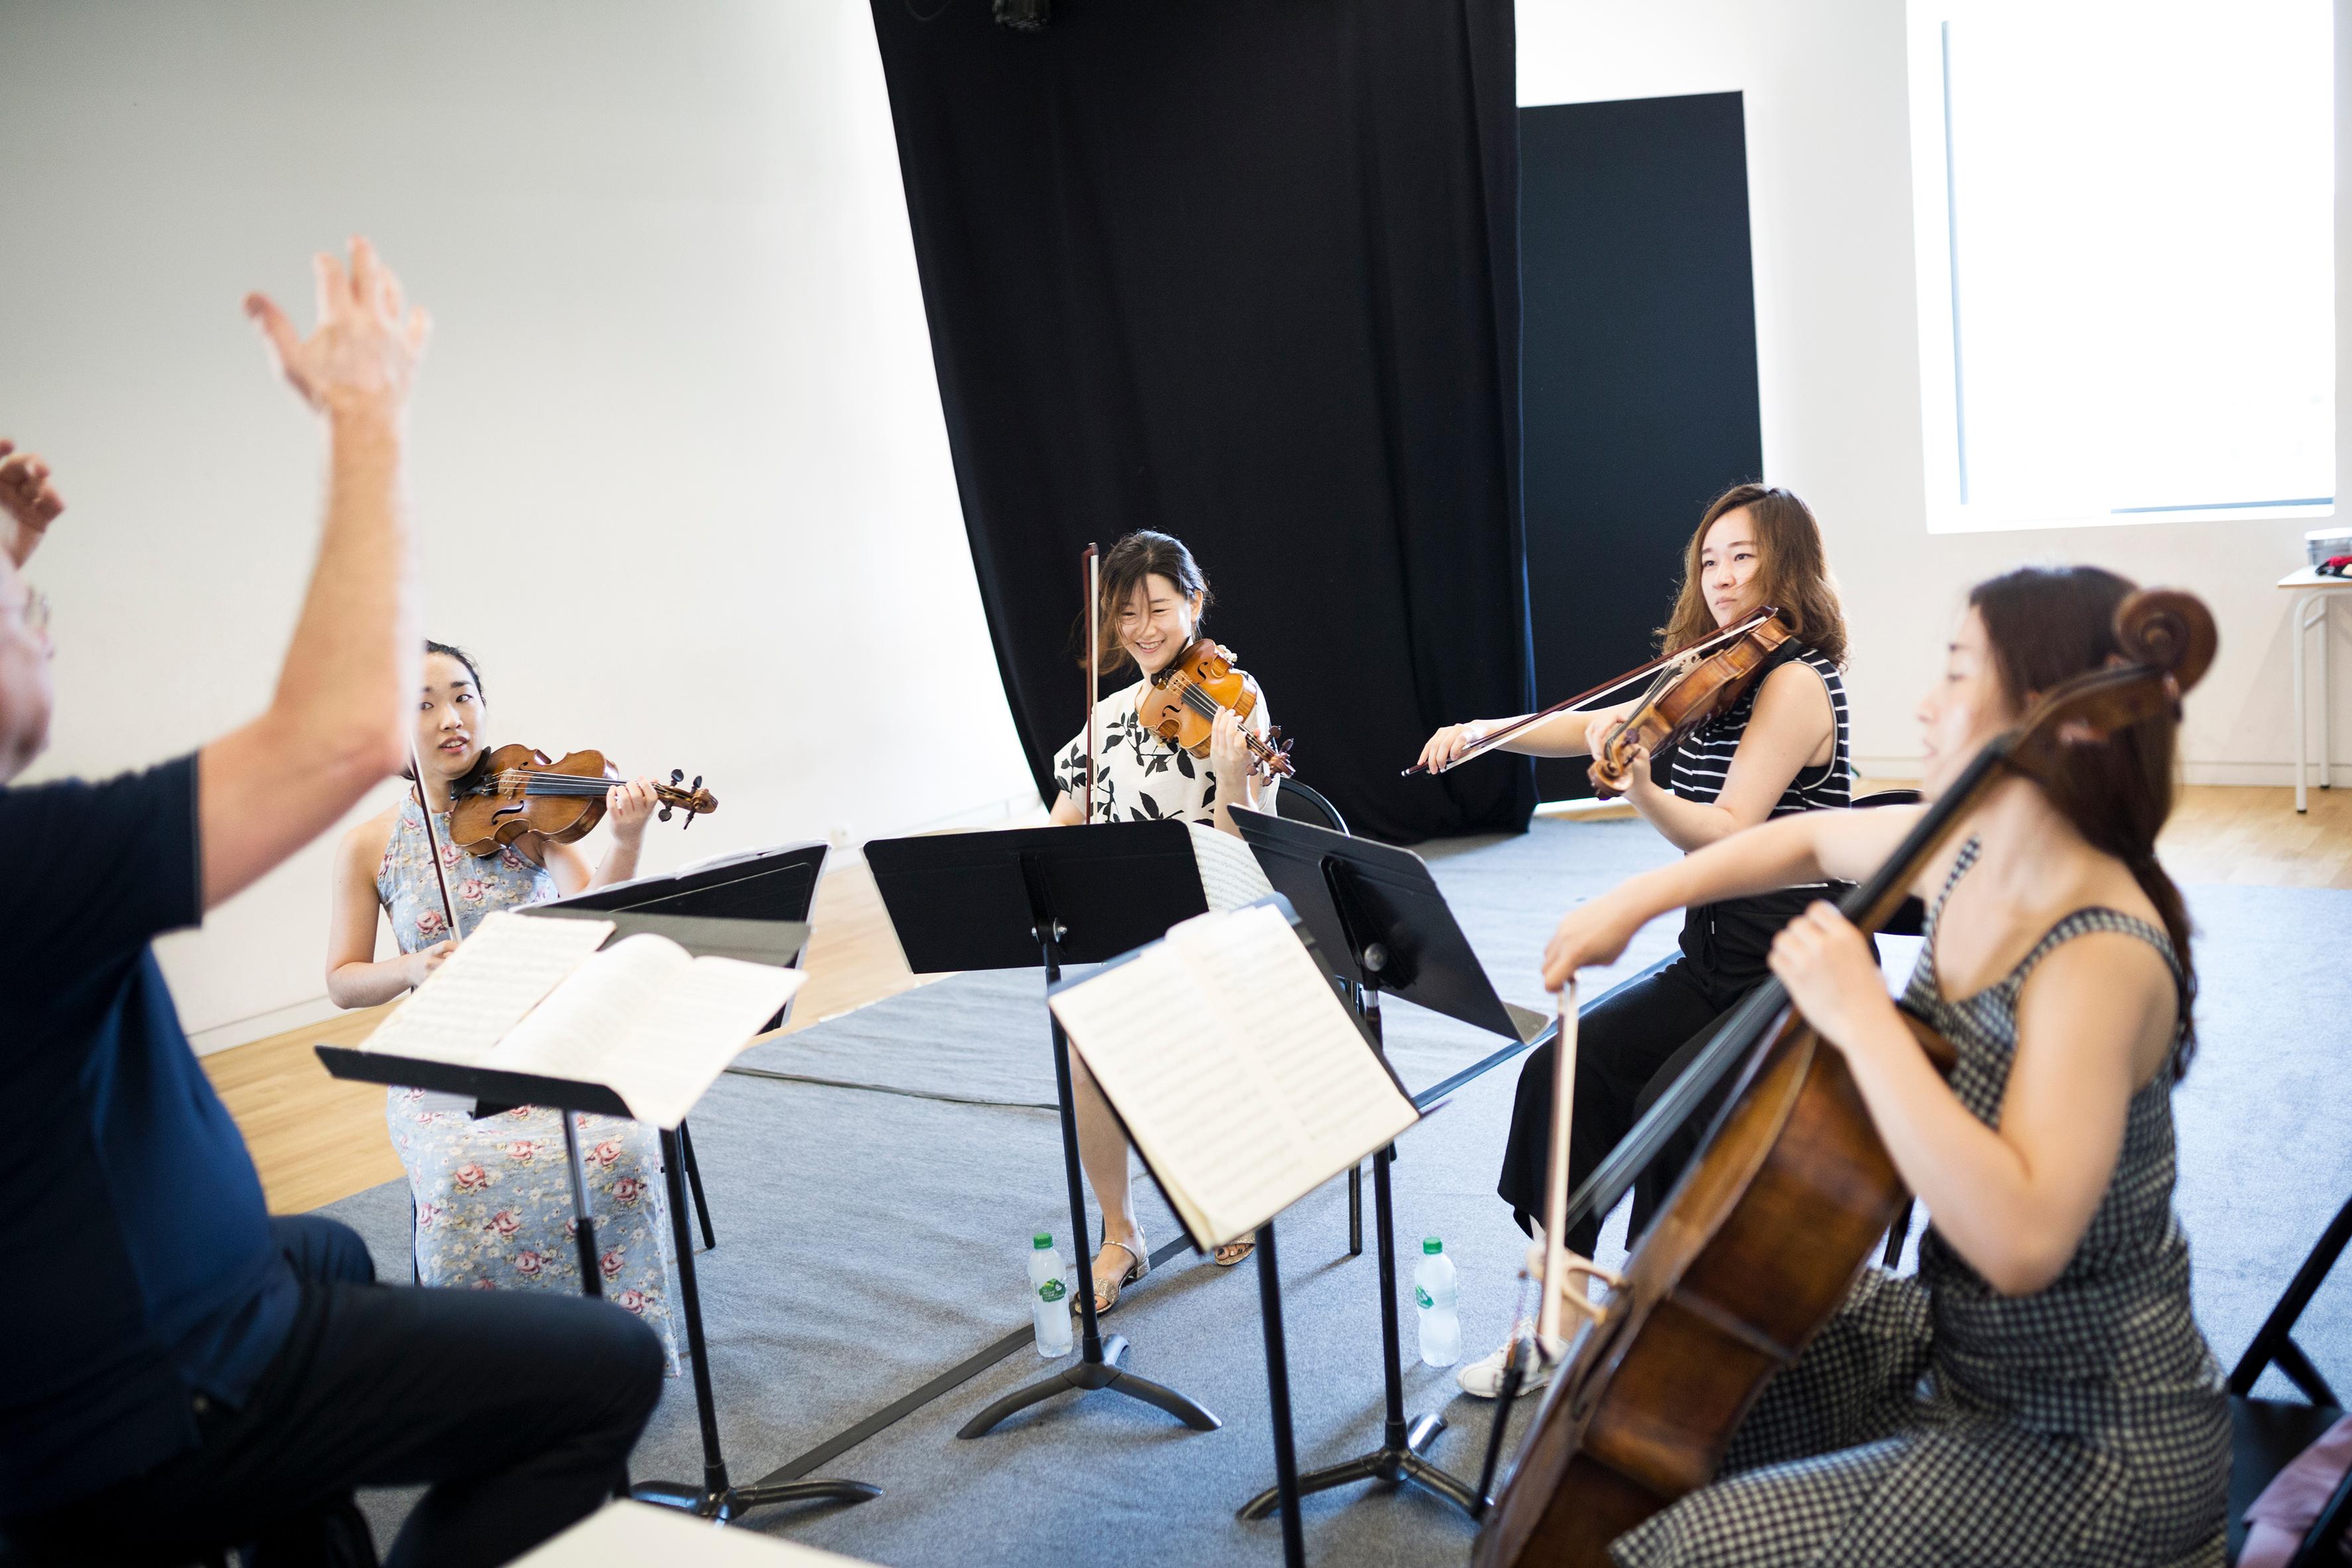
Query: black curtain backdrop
[1247,273]
[1640,396]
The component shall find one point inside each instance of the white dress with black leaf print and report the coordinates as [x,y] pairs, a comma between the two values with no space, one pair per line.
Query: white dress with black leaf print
[1138,777]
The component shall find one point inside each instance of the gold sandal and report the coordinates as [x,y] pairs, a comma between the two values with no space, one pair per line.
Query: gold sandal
[1232,1252]
[1135,1249]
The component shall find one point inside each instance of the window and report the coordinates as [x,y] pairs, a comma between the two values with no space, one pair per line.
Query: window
[2127,259]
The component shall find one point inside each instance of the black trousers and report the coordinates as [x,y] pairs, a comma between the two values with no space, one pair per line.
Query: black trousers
[516,1410]
[1628,1047]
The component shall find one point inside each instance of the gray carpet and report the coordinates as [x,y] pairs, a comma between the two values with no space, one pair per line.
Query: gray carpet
[869,1241]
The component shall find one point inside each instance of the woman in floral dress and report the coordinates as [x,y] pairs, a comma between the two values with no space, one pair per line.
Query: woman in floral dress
[493,1198]
[1153,597]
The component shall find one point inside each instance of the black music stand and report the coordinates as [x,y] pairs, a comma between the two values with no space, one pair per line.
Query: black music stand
[1288,1485]
[755,941]
[1015,899]
[1379,923]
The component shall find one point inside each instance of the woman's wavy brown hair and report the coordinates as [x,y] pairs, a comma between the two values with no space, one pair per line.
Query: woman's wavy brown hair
[2045,626]
[1125,565]
[1795,571]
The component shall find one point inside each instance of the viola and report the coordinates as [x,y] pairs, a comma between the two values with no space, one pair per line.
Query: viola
[1686,690]
[1690,689]
[1181,704]
[516,789]
[1764,1236]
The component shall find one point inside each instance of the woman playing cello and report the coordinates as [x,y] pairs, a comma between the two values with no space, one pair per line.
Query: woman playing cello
[2040,1392]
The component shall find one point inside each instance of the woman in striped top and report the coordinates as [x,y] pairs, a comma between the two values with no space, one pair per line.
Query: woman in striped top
[1781,749]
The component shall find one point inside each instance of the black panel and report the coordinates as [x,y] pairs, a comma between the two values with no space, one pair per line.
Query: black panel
[1638,371]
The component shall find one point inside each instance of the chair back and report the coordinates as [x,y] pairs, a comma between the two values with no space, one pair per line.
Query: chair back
[2268,1433]
[1301,803]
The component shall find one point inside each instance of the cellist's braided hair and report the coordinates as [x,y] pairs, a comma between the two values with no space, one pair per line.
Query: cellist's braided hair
[2047,625]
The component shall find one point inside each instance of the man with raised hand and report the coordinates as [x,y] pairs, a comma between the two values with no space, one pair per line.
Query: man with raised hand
[182,1371]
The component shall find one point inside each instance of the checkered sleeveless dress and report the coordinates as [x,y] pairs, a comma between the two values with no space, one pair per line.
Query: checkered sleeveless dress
[1936,1421]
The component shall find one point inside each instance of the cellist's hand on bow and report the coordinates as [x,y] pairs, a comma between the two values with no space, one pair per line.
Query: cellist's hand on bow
[1590,934]
[1449,743]
[1832,975]
[628,807]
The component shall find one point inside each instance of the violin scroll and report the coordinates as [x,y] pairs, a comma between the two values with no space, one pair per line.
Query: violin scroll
[678,796]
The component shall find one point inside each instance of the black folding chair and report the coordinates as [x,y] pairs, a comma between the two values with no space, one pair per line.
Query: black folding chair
[2268,1433]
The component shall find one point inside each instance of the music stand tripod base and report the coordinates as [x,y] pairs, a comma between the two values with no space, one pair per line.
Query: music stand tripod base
[1097,1364]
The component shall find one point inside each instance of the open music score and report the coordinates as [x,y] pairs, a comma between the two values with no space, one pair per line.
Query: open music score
[644,1018]
[1242,1079]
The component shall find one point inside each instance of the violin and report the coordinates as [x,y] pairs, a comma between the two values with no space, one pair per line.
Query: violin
[1690,689]
[1684,691]
[1181,704]
[1763,1237]
[516,789]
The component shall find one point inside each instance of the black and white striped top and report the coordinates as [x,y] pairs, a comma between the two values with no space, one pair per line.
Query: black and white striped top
[1704,758]
[1728,940]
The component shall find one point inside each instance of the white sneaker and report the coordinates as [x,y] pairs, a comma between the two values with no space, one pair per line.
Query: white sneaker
[1483,1379]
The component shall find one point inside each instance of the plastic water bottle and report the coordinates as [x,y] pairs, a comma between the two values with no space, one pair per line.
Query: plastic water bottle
[1049,1299]
[1435,1293]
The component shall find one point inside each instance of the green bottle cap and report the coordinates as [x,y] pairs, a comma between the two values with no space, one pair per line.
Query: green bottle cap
[1042,1240]
[1430,1244]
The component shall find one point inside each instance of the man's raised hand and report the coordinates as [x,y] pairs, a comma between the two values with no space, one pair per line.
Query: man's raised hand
[364,353]
[28,502]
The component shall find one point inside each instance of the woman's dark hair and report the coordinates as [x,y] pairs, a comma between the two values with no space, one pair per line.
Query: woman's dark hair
[2046,624]
[1125,565]
[1795,570]
[482,757]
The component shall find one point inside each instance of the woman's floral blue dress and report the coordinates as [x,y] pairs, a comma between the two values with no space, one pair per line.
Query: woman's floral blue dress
[493,1200]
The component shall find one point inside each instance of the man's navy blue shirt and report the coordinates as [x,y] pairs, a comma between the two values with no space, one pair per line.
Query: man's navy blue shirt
[128,1205]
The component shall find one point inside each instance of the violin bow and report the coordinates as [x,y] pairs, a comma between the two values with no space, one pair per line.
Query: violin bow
[1093,564]
[433,842]
[1504,731]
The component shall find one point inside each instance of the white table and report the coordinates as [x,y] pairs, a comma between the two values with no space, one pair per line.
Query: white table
[2312,594]
[623,1534]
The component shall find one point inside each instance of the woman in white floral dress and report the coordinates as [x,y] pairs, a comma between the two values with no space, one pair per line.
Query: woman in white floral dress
[493,1198]
[1153,596]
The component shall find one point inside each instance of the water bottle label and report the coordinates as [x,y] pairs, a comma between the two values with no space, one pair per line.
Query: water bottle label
[1421,1296]
[1053,1290]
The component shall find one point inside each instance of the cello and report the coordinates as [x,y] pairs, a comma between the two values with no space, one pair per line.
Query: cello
[1763,1237]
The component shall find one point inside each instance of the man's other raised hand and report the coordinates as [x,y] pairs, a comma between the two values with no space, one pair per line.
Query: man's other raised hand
[363,358]
[28,502]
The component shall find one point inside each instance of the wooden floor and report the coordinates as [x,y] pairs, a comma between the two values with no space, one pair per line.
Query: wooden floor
[315,1139]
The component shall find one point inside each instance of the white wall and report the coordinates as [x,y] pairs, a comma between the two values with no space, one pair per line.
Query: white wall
[1828,175]
[678,455]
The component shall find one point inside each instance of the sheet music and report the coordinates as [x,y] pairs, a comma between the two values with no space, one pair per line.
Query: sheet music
[1272,993]
[1230,874]
[485,987]
[1235,1066]
[649,1021]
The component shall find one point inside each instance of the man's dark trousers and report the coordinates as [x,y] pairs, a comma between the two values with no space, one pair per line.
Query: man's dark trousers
[516,1408]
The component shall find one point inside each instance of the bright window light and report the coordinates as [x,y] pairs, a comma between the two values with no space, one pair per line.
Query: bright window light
[2127,259]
